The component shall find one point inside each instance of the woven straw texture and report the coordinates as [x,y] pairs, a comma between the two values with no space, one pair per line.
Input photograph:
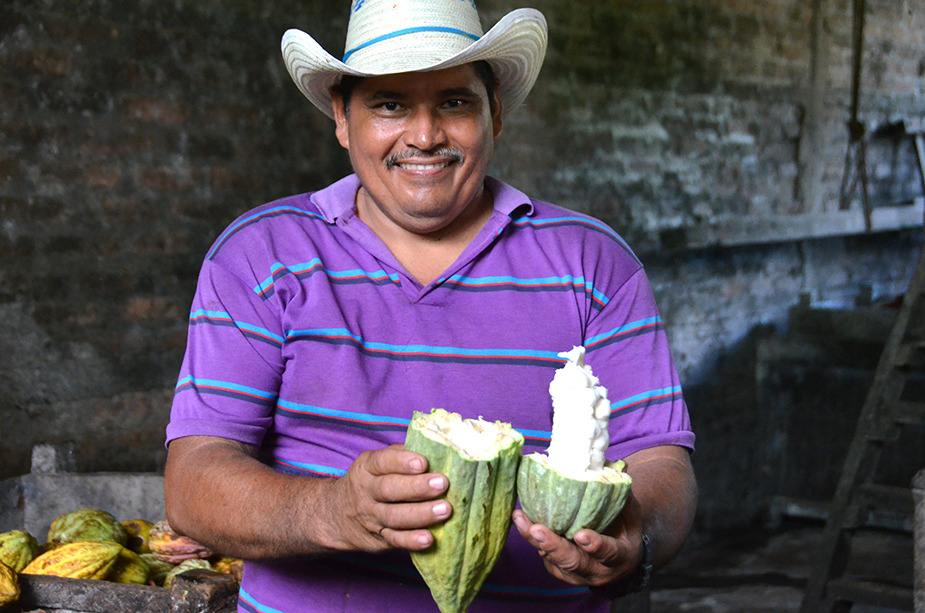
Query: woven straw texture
[393,36]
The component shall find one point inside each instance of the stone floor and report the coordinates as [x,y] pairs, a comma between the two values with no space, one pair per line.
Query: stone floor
[766,570]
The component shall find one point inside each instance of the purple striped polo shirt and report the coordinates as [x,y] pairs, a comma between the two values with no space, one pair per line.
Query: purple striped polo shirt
[308,339]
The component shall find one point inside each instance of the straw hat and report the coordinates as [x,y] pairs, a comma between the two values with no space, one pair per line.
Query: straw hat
[393,36]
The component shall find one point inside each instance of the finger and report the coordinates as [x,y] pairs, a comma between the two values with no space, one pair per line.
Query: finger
[412,516]
[392,460]
[412,540]
[404,488]
[606,550]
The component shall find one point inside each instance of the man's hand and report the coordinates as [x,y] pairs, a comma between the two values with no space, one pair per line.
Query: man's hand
[590,559]
[220,495]
[662,503]
[386,499]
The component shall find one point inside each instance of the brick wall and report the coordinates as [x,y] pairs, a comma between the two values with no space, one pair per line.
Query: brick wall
[132,132]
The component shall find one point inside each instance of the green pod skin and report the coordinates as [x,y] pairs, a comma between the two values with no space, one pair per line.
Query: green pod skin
[566,505]
[17,549]
[482,494]
[87,525]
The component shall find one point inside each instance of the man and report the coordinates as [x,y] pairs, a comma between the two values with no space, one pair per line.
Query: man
[322,321]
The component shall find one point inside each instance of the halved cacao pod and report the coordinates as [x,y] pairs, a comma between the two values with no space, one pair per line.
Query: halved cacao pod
[480,460]
[171,547]
[566,504]
[17,549]
[85,560]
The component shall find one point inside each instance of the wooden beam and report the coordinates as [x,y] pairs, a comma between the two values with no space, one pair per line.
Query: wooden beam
[757,229]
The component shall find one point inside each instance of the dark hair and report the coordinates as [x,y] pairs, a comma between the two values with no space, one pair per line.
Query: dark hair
[482,68]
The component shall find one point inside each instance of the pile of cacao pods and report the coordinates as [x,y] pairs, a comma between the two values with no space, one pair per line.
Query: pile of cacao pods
[93,544]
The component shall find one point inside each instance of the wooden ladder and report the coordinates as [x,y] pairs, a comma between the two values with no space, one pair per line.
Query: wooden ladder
[896,398]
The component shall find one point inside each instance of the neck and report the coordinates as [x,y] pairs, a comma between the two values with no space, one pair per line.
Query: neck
[426,254]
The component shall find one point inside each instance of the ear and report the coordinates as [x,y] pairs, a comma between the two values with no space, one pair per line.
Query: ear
[340,120]
[496,116]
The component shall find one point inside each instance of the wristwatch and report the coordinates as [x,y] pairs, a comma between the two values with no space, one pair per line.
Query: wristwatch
[636,582]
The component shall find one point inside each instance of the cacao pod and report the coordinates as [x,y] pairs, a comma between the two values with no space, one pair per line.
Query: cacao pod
[129,567]
[138,531]
[230,566]
[83,560]
[157,569]
[9,585]
[168,546]
[186,565]
[566,504]
[480,460]
[86,525]
[17,549]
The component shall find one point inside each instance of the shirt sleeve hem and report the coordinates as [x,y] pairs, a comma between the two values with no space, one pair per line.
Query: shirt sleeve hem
[247,434]
[681,438]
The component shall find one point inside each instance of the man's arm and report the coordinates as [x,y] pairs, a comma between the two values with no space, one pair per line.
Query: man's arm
[219,495]
[662,504]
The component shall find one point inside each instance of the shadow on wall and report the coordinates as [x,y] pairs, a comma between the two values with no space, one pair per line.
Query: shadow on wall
[735,442]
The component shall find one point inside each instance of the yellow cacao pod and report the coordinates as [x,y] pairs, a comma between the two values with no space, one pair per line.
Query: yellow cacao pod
[9,585]
[86,525]
[85,560]
[129,567]
[138,530]
[18,548]
[186,565]
[230,566]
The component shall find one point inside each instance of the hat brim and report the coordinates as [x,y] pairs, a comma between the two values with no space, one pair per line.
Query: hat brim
[514,47]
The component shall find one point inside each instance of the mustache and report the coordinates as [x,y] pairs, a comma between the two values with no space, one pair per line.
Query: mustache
[455,155]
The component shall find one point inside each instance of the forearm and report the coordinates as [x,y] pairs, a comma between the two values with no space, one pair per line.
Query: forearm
[664,498]
[218,494]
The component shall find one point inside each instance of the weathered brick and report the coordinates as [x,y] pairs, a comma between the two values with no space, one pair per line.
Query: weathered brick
[150,109]
[103,176]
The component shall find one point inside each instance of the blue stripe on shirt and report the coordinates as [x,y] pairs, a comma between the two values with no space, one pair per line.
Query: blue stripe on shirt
[542,284]
[365,421]
[226,388]
[266,288]
[426,353]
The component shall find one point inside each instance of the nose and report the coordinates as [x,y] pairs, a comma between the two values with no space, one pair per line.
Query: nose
[425,130]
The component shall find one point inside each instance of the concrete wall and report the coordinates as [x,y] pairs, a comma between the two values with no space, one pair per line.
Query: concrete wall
[132,132]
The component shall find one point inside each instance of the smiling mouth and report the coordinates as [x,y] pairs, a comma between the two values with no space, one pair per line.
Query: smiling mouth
[443,157]
[408,166]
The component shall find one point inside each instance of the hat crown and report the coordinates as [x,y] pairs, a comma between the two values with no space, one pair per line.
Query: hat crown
[419,33]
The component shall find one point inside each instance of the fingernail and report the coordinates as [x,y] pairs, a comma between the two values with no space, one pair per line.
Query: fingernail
[417,464]
[520,522]
[582,539]
[423,538]
[437,483]
[441,509]
[539,537]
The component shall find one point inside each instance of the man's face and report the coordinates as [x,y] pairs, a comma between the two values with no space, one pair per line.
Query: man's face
[421,144]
